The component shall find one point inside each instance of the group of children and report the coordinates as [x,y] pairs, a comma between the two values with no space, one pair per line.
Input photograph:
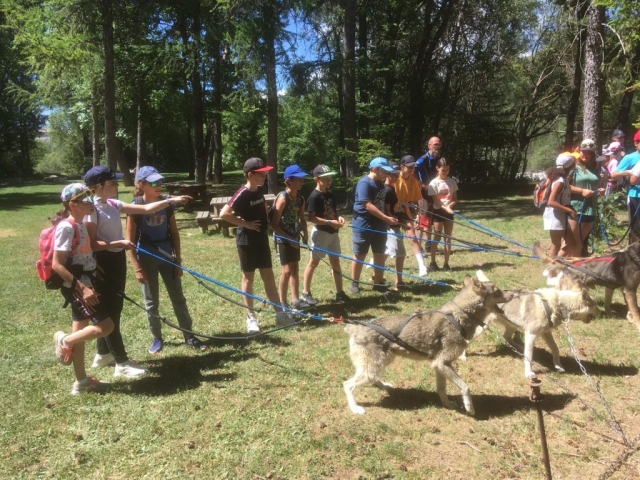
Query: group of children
[89,250]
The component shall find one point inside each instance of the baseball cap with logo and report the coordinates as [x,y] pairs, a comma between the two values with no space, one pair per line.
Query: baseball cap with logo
[382,163]
[148,174]
[76,192]
[395,167]
[100,174]
[323,171]
[294,171]
[255,164]
[588,145]
[408,161]
[617,133]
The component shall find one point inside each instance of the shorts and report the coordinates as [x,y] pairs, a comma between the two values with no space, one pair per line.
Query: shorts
[288,253]
[634,218]
[362,240]
[325,241]
[425,221]
[395,244]
[80,311]
[441,215]
[586,219]
[553,219]
[256,255]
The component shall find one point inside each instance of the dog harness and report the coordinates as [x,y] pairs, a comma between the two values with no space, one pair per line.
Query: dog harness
[579,265]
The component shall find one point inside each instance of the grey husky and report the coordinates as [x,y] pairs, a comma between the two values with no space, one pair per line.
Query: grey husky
[437,336]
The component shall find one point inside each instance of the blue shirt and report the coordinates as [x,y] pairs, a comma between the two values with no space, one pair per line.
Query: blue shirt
[627,163]
[154,229]
[426,168]
[368,190]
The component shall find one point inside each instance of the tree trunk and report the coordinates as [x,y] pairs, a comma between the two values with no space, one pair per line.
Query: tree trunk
[349,87]
[272,97]
[112,147]
[363,71]
[95,130]
[216,136]
[574,101]
[593,80]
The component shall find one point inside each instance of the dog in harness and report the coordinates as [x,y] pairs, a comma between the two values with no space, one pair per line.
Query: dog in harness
[437,336]
[616,270]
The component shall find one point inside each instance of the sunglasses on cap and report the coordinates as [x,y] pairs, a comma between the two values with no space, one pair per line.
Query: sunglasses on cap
[81,196]
[157,183]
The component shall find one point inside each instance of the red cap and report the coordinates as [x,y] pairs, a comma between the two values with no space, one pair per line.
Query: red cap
[636,137]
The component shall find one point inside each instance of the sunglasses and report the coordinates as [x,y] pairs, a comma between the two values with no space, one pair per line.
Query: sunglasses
[87,193]
[155,184]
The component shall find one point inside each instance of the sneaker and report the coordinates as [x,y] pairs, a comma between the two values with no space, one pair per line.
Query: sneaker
[354,288]
[252,324]
[300,304]
[156,345]
[380,288]
[129,369]
[307,297]
[284,319]
[433,267]
[447,268]
[91,384]
[423,272]
[196,343]
[103,360]
[63,353]
[342,297]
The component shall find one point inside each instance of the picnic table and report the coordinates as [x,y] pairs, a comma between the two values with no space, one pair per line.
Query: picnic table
[213,218]
[196,191]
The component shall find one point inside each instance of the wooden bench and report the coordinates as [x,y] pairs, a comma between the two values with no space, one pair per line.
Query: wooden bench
[195,191]
[205,219]
[217,203]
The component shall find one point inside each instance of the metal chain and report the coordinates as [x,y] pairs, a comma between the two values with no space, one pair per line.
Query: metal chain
[622,459]
[615,425]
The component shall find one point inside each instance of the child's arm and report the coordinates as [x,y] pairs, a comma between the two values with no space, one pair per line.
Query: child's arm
[175,242]
[131,233]
[553,202]
[98,245]
[227,215]
[58,266]
[155,206]
[303,223]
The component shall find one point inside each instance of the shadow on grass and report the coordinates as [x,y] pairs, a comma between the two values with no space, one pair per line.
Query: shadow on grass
[486,406]
[19,200]
[507,210]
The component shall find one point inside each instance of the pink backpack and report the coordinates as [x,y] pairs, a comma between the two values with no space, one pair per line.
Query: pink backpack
[44,266]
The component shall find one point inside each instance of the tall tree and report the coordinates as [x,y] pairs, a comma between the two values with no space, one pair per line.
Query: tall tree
[349,86]
[593,79]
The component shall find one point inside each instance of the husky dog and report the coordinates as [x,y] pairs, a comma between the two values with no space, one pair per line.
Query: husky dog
[437,336]
[617,270]
[539,312]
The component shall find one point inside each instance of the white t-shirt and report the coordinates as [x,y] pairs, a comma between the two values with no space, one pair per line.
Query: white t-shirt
[83,255]
[106,216]
[443,189]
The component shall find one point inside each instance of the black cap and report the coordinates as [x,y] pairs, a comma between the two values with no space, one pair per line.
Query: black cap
[255,164]
[617,133]
[408,161]
[99,174]
[395,166]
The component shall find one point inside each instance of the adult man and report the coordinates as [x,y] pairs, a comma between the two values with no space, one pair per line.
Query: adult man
[370,222]
[626,168]
[408,192]
[425,170]
[617,136]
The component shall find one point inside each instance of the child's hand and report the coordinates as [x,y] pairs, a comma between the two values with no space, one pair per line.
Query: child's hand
[573,214]
[341,221]
[253,225]
[89,297]
[181,199]
[140,276]
[126,244]
[178,272]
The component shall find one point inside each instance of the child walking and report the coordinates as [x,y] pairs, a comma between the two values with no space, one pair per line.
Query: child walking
[105,230]
[288,221]
[321,209]
[73,261]
[158,233]
[247,209]
[559,204]
[444,192]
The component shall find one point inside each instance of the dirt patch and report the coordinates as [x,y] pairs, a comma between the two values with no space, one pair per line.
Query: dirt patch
[7,232]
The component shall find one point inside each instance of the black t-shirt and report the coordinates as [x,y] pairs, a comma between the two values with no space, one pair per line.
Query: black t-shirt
[324,206]
[390,198]
[249,205]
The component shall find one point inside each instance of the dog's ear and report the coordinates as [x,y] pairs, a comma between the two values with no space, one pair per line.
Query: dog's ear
[467,280]
[509,295]
[481,276]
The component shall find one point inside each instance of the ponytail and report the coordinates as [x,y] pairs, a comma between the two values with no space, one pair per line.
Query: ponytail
[61,215]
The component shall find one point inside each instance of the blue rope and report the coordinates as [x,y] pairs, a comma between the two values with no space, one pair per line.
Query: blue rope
[380,267]
[470,247]
[488,230]
[228,287]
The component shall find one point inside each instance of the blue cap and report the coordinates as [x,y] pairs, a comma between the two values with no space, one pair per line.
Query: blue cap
[294,171]
[99,174]
[380,162]
[148,174]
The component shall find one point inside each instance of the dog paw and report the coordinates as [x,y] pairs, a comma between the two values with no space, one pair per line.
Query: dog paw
[559,368]
[471,410]
[358,410]
[386,385]
[529,374]
[450,404]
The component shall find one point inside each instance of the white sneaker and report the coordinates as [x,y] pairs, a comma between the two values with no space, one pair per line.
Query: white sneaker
[284,319]
[252,324]
[103,360]
[423,272]
[129,369]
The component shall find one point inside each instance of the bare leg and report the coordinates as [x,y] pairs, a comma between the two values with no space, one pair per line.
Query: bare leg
[556,242]
[294,281]
[285,276]
[336,270]
[270,288]
[247,287]
[437,226]
[308,274]
[378,261]
[356,267]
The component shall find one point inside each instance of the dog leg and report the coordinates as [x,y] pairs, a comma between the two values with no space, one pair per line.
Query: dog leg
[632,302]
[508,334]
[555,351]
[360,378]
[383,385]
[445,372]
[608,295]
[529,340]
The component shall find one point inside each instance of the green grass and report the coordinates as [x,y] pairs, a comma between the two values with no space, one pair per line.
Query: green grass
[274,407]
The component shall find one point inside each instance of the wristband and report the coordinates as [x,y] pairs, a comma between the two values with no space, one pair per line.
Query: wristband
[328,222]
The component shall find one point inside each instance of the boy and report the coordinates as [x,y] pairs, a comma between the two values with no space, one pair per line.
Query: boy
[288,221]
[370,222]
[395,244]
[321,208]
[247,210]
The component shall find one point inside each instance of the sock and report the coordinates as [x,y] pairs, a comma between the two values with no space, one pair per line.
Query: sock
[84,381]
[420,260]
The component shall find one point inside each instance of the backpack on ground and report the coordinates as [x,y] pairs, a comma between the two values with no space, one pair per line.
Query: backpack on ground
[541,193]
[44,266]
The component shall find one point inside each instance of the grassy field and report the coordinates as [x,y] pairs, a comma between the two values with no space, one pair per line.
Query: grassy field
[274,407]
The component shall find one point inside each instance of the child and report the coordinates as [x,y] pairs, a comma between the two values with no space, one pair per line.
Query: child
[247,209]
[73,261]
[158,234]
[105,230]
[321,209]
[444,193]
[393,208]
[559,204]
[288,221]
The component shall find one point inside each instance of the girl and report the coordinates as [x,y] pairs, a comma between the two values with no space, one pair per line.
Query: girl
[73,261]
[444,193]
[559,204]
[158,234]
[105,230]
[583,185]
